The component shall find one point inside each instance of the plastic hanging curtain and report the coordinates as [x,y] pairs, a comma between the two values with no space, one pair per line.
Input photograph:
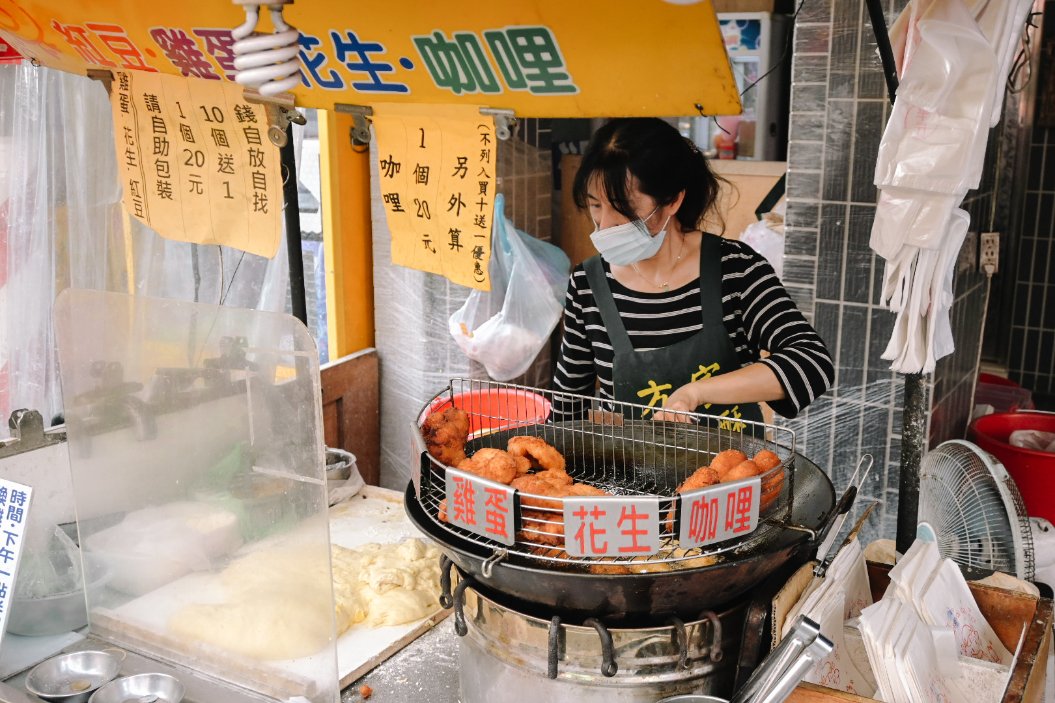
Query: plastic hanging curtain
[62,225]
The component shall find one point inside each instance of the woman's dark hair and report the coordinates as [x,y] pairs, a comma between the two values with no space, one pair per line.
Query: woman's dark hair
[663,162]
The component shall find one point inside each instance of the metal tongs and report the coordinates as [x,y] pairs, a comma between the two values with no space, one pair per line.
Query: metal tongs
[864,467]
[779,673]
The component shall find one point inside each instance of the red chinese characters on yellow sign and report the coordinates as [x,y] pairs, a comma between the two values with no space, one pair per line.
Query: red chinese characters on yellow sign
[436,175]
[195,161]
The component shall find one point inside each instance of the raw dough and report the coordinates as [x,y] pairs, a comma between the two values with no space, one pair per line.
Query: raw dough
[276,600]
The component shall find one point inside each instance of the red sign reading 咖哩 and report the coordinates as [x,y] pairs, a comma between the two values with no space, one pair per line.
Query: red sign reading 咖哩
[719,512]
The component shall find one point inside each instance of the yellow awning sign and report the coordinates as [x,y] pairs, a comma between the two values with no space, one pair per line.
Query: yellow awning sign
[196,164]
[436,174]
[539,58]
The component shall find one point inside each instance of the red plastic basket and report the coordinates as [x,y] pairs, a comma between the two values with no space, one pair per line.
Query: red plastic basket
[493,409]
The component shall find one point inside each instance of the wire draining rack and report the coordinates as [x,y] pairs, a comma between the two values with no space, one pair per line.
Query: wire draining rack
[604,449]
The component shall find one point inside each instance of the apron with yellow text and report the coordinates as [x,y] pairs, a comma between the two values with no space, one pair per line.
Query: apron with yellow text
[649,377]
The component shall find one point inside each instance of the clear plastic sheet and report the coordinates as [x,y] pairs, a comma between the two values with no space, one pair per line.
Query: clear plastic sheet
[62,225]
[50,568]
[196,452]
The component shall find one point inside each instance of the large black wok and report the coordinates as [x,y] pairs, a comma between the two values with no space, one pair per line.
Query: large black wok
[626,598]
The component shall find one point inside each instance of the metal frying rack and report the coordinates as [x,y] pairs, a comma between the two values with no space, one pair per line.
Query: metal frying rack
[604,449]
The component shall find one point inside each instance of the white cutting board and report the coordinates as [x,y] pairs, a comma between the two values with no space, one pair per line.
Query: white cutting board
[373,515]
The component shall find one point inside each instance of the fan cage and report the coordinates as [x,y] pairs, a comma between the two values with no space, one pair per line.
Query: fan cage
[976,510]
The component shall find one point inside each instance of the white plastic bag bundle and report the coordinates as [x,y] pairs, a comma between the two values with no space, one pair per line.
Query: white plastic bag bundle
[505,328]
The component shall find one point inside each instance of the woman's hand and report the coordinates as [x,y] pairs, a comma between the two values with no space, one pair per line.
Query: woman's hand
[684,400]
[750,384]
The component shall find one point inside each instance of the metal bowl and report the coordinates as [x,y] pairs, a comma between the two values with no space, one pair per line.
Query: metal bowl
[73,677]
[161,688]
[339,464]
[693,698]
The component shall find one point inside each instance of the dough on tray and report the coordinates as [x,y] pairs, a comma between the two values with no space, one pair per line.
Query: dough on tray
[276,600]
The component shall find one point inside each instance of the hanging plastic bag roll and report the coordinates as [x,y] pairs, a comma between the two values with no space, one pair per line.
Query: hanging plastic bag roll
[506,327]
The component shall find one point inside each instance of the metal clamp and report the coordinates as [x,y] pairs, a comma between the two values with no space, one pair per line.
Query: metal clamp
[505,121]
[360,133]
[489,563]
[680,639]
[27,430]
[280,111]
[553,654]
[609,667]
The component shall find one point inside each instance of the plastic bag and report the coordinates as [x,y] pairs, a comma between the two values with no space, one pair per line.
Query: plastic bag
[1036,440]
[505,328]
[768,242]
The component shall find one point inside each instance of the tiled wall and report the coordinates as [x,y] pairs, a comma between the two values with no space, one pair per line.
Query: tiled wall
[839,108]
[1031,352]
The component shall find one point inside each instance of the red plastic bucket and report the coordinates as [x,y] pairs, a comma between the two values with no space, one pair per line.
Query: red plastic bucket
[1033,471]
[493,409]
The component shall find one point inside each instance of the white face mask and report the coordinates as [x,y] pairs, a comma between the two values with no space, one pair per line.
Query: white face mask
[629,242]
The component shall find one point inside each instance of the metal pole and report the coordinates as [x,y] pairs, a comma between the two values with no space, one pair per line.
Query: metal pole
[914,415]
[886,54]
[291,209]
[913,444]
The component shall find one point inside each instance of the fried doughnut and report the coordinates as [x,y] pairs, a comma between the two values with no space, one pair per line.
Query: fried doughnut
[492,464]
[766,460]
[445,433]
[584,490]
[745,469]
[531,483]
[725,461]
[545,528]
[541,454]
[701,478]
[523,464]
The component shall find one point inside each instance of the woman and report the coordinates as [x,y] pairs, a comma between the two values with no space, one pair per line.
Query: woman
[668,316]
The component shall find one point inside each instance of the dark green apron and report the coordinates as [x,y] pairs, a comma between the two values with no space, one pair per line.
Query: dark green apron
[648,377]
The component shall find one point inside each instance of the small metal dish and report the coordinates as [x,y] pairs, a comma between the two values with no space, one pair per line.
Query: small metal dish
[73,677]
[339,464]
[693,698]
[141,688]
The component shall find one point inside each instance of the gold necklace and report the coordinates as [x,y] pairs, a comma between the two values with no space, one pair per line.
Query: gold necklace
[665,286]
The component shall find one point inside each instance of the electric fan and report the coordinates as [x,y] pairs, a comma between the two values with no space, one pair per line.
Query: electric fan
[976,510]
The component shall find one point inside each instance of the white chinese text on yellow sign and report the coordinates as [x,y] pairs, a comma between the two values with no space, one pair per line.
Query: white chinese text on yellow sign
[196,164]
[436,174]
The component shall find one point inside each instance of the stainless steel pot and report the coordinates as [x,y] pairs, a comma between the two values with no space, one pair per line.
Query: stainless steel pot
[507,657]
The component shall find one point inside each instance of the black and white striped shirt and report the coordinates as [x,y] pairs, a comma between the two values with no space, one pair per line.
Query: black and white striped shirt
[758,315]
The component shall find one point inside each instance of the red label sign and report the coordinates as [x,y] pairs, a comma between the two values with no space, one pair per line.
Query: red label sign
[480,506]
[611,526]
[719,512]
